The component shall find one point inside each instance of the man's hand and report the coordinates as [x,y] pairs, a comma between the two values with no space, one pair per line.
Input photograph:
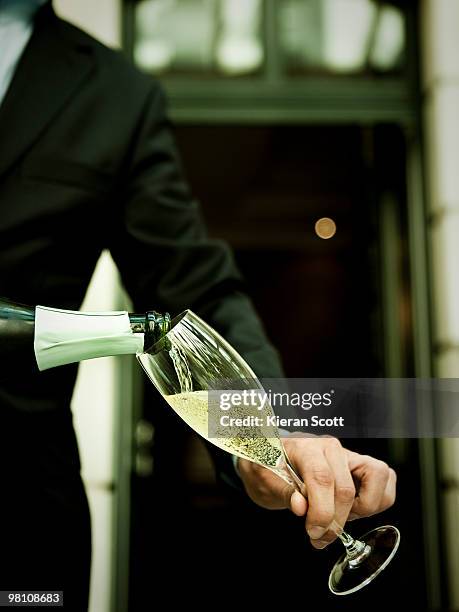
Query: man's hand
[340,485]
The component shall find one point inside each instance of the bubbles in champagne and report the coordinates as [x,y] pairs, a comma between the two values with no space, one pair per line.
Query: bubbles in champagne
[251,443]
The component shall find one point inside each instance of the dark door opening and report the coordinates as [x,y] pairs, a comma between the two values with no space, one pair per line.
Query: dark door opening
[262,189]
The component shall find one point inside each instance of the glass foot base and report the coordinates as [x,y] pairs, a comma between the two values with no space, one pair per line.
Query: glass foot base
[346,578]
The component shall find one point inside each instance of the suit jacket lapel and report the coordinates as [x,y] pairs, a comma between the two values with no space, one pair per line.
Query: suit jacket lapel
[49,73]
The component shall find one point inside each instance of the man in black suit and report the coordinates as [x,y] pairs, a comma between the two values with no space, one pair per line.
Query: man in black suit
[87,162]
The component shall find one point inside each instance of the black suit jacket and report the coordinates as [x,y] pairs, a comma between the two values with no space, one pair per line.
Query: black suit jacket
[88,162]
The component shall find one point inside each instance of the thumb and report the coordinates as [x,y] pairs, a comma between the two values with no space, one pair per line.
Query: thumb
[287,496]
[280,492]
[298,504]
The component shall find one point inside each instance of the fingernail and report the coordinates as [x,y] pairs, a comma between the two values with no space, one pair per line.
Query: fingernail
[321,543]
[315,532]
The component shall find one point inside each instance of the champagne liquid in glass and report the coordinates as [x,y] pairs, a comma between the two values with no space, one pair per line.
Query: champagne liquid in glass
[250,442]
[259,444]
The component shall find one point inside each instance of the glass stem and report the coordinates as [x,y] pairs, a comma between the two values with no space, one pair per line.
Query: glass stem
[356,551]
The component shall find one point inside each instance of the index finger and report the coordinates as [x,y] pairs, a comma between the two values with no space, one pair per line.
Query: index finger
[318,477]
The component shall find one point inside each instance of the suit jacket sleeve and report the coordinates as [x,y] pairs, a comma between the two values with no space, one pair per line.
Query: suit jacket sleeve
[165,257]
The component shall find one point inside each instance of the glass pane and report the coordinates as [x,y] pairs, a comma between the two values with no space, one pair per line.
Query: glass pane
[199,36]
[341,36]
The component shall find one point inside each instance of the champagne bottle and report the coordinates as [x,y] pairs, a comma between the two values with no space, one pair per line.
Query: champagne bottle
[67,336]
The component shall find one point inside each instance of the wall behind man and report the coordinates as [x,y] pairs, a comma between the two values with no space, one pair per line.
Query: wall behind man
[101,19]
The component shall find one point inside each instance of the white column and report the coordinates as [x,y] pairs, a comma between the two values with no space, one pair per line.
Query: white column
[440,49]
[96,394]
[94,407]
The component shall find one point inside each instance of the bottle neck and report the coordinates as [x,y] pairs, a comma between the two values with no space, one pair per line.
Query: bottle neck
[63,336]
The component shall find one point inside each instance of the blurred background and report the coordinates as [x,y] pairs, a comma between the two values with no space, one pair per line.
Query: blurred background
[287,112]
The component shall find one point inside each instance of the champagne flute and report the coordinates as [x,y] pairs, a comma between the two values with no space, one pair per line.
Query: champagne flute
[186,366]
